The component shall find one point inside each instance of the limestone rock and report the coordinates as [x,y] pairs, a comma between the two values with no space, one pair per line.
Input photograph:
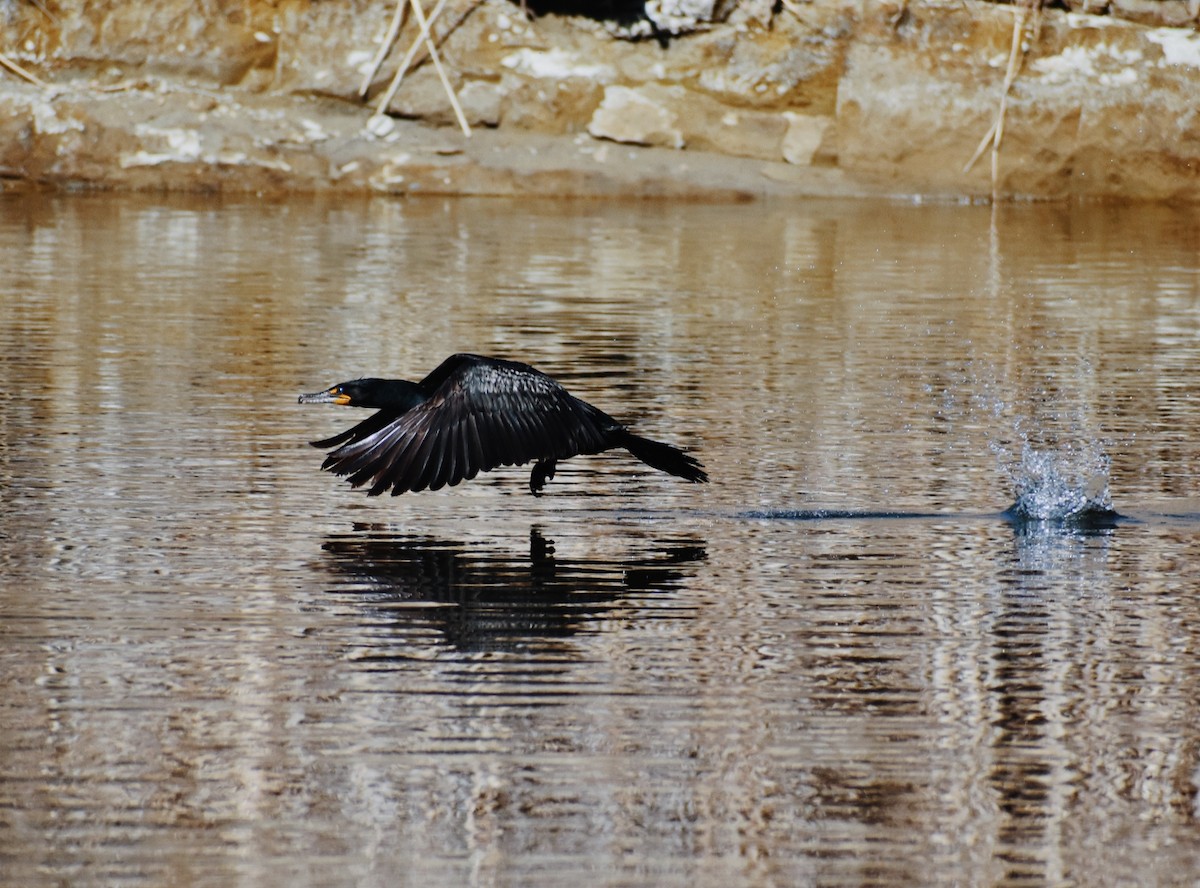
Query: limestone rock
[562,106]
[807,140]
[626,115]
[680,16]
[1100,107]
[1158,13]
[480,102]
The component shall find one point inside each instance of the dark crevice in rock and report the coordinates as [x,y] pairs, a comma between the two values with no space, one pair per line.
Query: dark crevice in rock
[621,12]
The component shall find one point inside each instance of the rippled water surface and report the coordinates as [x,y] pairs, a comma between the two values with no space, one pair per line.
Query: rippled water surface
[842,662]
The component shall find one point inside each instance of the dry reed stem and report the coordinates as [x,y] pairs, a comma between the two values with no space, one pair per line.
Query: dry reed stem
[424,35]
[406,62]
[1016,55]
[437,63]
[392,33]
[6,62]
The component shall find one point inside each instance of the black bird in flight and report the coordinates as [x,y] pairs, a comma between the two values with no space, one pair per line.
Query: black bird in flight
[471,415]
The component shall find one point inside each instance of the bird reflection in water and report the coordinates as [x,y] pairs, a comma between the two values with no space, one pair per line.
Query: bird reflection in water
[494,599]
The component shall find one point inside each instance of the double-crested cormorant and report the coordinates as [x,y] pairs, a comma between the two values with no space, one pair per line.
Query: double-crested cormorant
[468,416]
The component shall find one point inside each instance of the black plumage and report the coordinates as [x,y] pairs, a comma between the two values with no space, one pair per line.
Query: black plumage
[470,415]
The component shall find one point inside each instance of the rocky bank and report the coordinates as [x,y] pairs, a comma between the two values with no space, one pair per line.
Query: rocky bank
[681,98]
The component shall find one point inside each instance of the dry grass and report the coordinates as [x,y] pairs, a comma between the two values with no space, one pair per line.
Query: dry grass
[1027,21]
[423,41]
[11,66]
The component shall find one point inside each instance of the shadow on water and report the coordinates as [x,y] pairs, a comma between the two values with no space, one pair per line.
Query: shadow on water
[1083,522]
[843,515]
[488,599]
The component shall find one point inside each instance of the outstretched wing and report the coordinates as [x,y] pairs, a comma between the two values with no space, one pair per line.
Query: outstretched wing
[481,413]
[369,426]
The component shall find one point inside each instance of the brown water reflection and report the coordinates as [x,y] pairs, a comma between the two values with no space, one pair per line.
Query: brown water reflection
[839,663]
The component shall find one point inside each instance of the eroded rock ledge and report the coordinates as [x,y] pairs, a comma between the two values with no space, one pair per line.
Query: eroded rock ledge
[825,98]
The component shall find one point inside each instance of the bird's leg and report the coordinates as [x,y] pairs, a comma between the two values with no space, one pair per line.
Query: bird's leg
[542,472]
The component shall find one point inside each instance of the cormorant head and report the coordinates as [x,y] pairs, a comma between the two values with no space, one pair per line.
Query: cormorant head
[372,393]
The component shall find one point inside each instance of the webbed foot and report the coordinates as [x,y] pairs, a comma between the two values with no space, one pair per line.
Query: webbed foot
[542,472]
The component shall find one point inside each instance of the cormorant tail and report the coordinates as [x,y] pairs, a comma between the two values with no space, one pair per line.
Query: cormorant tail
[664,457]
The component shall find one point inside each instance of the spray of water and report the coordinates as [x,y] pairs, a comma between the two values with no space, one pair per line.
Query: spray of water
[1066,484]
[1044,442]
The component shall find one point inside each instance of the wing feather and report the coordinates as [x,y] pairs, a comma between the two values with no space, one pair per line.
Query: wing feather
[446,476]
[429,459]
[367,459]
[532,434]
[475,462]
[505,428]
[376,459]
[368,426]
[478,414]
[406,473]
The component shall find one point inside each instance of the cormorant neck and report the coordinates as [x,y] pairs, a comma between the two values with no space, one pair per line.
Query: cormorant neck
[389,394]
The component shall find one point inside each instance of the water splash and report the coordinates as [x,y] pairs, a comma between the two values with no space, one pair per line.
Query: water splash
[1025,426]
[1061,486]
